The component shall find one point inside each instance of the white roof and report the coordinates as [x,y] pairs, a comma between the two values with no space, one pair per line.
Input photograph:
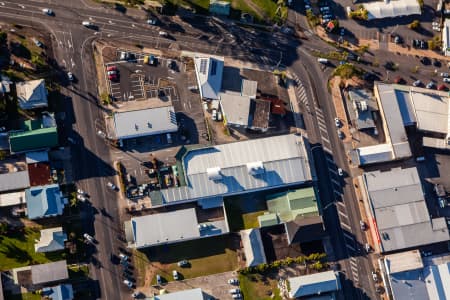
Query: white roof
[403,261]
[253,247]
[249,88]
[375,154]
[209,71]
[32,94]
[314,284]
[50,272]
[431,111]
[163,228]
[52,239]
[14,181]
[194,294]
[284,159]
[389,9]
[14,198]
[236,108]
[446,37]
[137,123]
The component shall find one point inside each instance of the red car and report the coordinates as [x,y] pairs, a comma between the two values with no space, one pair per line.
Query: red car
[113,73]
[442,87]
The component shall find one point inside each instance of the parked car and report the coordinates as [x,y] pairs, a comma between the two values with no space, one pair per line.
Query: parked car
[81,198]
[398,39]
[399,80]
[70,76]
[367,247]
[113,73]
[175,275]
[446,80]
[124,55]
[327,17]
[123,257]
[183,263]
[235,291]
[342,31]
[374,276]
[431,85]
[236,296]
[214,114]
[88,238]
[37,42]
[417,83]
[442,87]
[158,279]
[163,33]
[128,283]
[233,281]
[437,63]
[340,134]
[337,122]
[444,75]
[152,60]
[324,8]
[340,172]
[362,225]
[152,21]
[425,61]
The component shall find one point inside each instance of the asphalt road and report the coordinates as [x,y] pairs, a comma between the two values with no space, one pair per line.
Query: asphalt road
[92,159]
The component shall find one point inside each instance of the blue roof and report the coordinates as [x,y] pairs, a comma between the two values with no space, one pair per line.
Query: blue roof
[59,292]
[44,201]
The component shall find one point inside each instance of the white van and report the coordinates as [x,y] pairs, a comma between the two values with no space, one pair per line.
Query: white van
[420,159]
[322,60]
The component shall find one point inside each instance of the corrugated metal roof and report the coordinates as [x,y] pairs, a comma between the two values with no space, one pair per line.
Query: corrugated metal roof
[390,9]
[253,247]
[402,217]
[209,71]
[60,292]
[249,88]
[194,294]
[284,159]
[31,94]
[50,272]
[236,108]
[404,261]
[432,111]
[165,227]
[145,122]
[9,199]
[44,201]
[314,284]
[32,140]
[14,181]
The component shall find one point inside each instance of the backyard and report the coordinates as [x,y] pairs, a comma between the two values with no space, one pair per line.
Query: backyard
[17,250]
[206,256]
[257,286]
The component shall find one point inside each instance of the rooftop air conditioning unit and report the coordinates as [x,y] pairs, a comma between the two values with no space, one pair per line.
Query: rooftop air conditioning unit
[255,168]
[363,105]
[214,173]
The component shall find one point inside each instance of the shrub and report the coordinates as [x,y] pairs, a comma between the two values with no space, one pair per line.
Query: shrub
[3,38]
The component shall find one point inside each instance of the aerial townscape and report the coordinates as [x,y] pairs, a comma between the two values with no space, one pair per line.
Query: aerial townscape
[225,149]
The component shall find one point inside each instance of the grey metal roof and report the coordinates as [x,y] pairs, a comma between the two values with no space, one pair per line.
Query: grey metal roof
[314,284]
[403,261]
[50,272]
[37,156]
[165,227]
[397,201]
[432,111]
[253,247]
[32,94]
[284,159]
[145,122]
[194,294]
[236,108]
[363,118]
[209,72]
[14,181]
[394,122]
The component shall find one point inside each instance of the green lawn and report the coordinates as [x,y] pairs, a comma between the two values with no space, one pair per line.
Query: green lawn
[17,250]
[206,256]
[254,287]
[26,296]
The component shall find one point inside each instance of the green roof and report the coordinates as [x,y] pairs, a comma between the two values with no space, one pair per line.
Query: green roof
[33,139]
[288,205]
[268,219]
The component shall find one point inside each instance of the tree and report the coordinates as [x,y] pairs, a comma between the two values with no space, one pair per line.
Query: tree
[414,25]
[3,38]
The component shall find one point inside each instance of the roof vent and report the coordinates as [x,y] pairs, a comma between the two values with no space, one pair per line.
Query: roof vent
[136,127]
[255,168]
[214,173]
[149,125]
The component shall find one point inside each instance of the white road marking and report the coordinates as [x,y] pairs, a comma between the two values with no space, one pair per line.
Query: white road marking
[346,226]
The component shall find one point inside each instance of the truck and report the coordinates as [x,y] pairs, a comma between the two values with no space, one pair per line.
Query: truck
[322,60]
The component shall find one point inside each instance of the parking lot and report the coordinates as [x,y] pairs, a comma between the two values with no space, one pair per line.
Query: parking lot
[137,80]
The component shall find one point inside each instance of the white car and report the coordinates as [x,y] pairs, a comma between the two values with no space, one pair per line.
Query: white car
[123,257]
[88,238]
[37,42]
[87,24]
[128,283]
[234,291]
[70,76]
[175,275]
[374,276]
[337,122]
[163,33]
[214,114]
[418,83]
[444,75]
[81,192]
[47,11]
[151,21]
[111,186]
[446,80]
[81,197]
[340,172]
[233,281]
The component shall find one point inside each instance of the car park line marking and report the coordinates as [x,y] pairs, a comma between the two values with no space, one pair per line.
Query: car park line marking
[349,247]
[336,182]
[348,236]
[342,214]
[346,226]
